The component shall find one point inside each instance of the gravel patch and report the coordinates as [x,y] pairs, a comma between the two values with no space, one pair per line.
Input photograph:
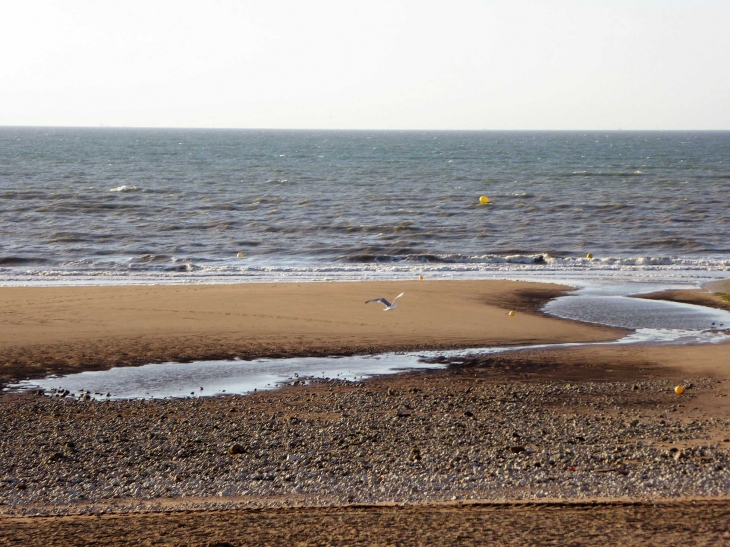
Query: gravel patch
[423,437]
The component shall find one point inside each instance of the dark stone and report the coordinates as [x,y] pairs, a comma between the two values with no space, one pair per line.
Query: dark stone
[236,449]
[516,449]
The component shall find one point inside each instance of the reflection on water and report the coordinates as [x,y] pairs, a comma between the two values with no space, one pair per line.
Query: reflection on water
[205,378]
[634,313]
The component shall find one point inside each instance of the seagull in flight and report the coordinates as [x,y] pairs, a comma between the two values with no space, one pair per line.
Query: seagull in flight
[388,305]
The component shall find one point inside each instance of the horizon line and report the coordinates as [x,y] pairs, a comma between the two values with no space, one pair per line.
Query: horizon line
[197,128]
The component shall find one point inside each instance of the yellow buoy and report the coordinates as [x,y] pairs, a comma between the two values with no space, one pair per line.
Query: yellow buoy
[679,390]
[420,277]
[511,314]
[483,199]
[589,255]
[239,255]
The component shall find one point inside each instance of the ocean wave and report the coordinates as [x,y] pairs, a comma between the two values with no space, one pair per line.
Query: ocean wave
[670,242]
[10,261]
[683,271]
[545,260]
[586,174]
[367,258]
[149,258]
[67,237]
[24,195]
[162,263]
[259,267]
[124,188]
[458,259]
[71,207]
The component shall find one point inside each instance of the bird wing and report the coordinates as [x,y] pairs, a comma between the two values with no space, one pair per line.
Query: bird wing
[397,297]
[381,300]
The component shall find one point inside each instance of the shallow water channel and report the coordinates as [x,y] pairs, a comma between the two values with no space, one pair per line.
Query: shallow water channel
[597,302]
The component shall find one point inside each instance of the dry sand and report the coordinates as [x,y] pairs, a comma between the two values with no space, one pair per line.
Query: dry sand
[60,329]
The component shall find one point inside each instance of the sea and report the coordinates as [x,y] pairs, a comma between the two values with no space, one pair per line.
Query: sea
[120,206]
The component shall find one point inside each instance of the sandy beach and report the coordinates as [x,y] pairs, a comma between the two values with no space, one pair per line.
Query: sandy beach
[576,445]
[68,329]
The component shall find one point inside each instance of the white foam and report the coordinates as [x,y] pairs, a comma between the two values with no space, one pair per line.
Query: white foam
[264,269]
[123,188]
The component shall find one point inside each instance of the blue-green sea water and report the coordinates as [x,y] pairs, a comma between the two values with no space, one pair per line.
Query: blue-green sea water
[133,205]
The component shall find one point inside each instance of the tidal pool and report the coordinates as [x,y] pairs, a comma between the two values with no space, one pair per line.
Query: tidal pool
[207,378]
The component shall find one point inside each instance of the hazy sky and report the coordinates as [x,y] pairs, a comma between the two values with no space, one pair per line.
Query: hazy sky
[513,64]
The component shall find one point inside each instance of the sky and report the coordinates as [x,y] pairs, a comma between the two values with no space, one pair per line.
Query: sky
[334,64]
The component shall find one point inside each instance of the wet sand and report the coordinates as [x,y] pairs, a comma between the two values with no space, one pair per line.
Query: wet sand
[622,523]
[70,329]
[596,435]
[713,295]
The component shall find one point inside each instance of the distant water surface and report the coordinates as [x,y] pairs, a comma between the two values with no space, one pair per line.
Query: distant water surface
[179,205]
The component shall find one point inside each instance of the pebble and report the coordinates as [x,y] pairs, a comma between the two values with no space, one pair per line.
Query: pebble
[236,449]
[436,442]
